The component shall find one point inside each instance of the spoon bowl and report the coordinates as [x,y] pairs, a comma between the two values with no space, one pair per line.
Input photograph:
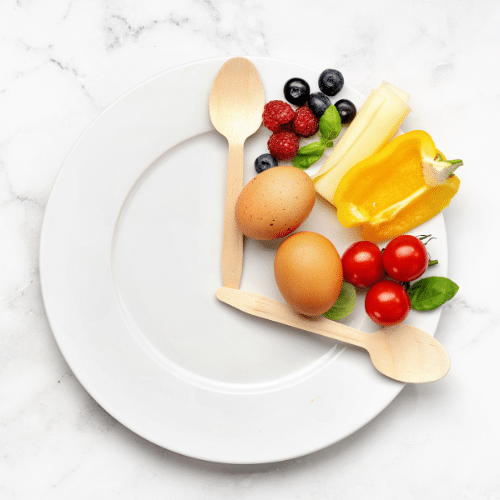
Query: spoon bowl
[236,104]
[406,353]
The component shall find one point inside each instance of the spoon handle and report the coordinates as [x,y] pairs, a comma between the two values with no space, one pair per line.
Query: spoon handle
[264,307]
[232,240]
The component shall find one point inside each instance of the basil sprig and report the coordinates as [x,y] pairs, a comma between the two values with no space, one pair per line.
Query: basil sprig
[345,303]
[428,293]
[329,129]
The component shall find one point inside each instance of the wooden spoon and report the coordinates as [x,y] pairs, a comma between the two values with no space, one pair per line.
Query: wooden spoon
[236,104]
[401,352]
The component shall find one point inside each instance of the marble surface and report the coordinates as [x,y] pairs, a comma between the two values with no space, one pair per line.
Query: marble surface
[64,61]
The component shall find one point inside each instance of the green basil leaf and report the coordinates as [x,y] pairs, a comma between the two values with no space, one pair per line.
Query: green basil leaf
[330,123]
[428,293]
[305,161]
[308,154]
[312,148]
[345,303]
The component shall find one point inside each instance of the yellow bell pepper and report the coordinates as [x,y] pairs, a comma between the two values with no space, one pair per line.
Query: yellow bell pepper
[398,188]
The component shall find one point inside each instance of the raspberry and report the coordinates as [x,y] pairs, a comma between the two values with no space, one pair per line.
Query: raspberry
[283,145]
[304,122]
[276,114]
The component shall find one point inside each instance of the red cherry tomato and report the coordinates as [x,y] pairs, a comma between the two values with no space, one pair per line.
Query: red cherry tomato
[362,264]
[387,303]
[405,258]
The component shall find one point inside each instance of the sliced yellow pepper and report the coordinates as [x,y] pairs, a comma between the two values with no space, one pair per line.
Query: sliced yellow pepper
[398,188]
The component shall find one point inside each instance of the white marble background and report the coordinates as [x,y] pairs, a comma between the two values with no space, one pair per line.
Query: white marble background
[63,61]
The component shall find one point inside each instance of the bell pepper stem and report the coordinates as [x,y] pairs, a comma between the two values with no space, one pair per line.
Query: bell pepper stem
[437,170]
[454,164]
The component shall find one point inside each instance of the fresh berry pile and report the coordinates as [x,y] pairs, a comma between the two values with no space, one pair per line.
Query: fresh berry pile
[289,125]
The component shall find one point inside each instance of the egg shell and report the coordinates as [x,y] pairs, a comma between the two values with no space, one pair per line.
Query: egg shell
[275,203]
[308,272]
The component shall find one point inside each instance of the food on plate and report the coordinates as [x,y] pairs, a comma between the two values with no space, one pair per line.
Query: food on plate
[287,126]
[405,258]
[428,293]
[387,303]
[276,115]
[362,264]
[283,145]
[388,185]
[275,203]
[319,103]
[296,91]
[330,82]
[304,123]
[388,193]
[308,272]
[375,124]
[329,126]
[264,162]
[347,111]
[314,113]
[345,303]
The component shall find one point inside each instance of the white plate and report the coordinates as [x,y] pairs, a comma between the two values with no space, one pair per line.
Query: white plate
[130,261]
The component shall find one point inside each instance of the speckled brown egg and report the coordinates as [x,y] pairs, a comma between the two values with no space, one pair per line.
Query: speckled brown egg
[308,272]
[275,203]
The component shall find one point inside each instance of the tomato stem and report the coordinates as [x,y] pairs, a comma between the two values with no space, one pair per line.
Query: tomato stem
[406,284]
[422,237]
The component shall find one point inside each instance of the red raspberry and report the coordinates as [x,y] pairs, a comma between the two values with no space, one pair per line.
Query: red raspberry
[276,114]
[283,145]
[304,122]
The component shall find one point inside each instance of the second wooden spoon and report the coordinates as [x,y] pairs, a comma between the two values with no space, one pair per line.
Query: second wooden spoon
[236,104]
[401,352]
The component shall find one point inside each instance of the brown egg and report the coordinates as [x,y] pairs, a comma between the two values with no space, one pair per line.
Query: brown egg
[275,203]
[308,272]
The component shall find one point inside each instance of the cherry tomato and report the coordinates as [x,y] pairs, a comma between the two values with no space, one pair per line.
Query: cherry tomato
[387,303]
[362,264]
[405,258]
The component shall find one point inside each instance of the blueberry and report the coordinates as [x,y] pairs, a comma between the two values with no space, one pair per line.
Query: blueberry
[319,103]
[331,82]
[296,91]
[346,109]
[265,161]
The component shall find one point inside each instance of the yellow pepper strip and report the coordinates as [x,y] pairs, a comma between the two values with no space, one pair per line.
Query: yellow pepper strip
[398,188]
